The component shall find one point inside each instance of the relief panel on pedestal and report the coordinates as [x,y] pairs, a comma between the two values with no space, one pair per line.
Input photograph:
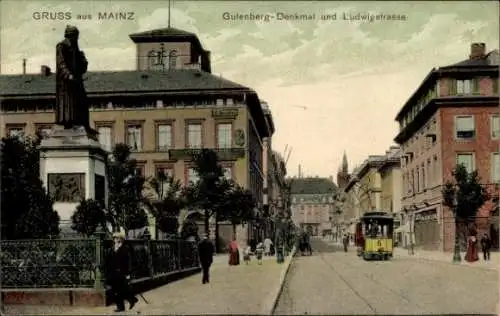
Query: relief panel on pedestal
[66,187]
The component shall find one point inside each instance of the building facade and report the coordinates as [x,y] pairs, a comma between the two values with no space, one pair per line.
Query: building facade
[392,186]
[166,110]
[374,185]
[452,118]
[313,204]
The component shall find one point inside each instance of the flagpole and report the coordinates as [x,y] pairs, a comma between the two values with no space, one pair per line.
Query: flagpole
[168,13]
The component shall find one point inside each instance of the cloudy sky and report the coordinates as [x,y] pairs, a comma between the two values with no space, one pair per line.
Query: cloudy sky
[332,85]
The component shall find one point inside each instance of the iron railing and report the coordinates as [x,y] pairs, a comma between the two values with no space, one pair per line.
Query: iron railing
[79,263]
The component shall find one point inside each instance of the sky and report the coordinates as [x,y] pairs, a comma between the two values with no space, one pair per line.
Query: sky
[332,86]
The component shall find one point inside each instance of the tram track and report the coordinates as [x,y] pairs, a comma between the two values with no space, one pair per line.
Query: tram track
[352,287]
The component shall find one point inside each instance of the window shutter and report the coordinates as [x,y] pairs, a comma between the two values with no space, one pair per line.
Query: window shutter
[495,85]
[452,87]
[475,86]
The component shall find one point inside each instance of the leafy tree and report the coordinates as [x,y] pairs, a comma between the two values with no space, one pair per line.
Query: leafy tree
[125,187]
[210,190]
[27,209]
[88,215]
[167,202]
[464,196]
[189,228]
[238,206]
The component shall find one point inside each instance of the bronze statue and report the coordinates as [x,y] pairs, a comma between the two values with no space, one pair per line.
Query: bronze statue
[71,100]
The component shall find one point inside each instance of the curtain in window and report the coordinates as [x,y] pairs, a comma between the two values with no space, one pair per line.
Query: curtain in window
[105,137]
[496,168]
[452,87]
[224,135]
[466,160]
[164,137]
[465,123]
[134,138]
[194,136]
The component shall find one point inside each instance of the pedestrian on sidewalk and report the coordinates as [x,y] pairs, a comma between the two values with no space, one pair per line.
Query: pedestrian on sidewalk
[118,268]
[267,245]
[206,254]
[471,254]
[486,246]
[346,242]
[234,253]
[259,251]
[246,254]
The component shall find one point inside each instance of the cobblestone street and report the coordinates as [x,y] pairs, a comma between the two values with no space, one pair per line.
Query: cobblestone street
[243,289]
[334,282]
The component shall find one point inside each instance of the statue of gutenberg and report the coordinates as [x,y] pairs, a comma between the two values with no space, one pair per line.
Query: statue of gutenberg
[71,99]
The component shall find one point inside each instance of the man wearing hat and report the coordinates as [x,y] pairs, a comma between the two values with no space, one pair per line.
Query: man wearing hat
[118,273]
[206,254]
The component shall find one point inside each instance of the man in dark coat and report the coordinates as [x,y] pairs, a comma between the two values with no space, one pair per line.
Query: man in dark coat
[486,246]
[71,104]
[118,273]
[206,254]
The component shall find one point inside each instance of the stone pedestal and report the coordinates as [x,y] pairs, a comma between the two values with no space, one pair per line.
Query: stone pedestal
[73,168]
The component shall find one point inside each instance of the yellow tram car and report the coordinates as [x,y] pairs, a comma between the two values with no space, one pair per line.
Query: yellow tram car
[375,231]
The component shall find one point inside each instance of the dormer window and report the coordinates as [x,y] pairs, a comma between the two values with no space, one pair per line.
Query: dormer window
[464,86]
[172,59]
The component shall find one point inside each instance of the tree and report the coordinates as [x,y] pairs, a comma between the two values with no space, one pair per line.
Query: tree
[27,209]
[189,228]
[125,188]
[238,206]
[464,196]
[210,190]
[88,215]
[167,202]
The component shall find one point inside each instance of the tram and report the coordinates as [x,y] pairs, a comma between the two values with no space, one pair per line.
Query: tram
[374,235]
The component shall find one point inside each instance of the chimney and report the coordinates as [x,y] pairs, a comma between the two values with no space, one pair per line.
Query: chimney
[205,61]
[45,70]
[477,50]
[24,66]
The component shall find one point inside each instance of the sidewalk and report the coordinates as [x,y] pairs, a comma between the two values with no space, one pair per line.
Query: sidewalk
[243,289]
[447,257]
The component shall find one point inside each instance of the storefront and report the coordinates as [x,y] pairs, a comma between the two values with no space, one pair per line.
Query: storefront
[427,230]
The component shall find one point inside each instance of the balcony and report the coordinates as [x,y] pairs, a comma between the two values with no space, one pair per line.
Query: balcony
[224,154]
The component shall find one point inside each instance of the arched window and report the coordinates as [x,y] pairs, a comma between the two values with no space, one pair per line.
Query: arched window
[172,59]
[151,59]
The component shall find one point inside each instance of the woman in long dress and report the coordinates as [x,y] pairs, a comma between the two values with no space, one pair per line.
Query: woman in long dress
[471,255]
[234,256]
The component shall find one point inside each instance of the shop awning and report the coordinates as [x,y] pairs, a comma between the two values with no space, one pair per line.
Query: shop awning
[403,229]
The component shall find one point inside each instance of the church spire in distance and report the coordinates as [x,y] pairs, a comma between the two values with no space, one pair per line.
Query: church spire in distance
[345,167]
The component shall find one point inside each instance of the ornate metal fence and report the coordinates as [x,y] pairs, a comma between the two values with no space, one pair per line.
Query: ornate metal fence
[79,263]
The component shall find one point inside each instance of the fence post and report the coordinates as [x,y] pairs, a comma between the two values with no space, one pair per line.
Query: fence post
[150,257]
[179,254]
[99,277]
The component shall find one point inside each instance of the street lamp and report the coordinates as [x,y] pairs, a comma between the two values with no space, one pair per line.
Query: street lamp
[456,248]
